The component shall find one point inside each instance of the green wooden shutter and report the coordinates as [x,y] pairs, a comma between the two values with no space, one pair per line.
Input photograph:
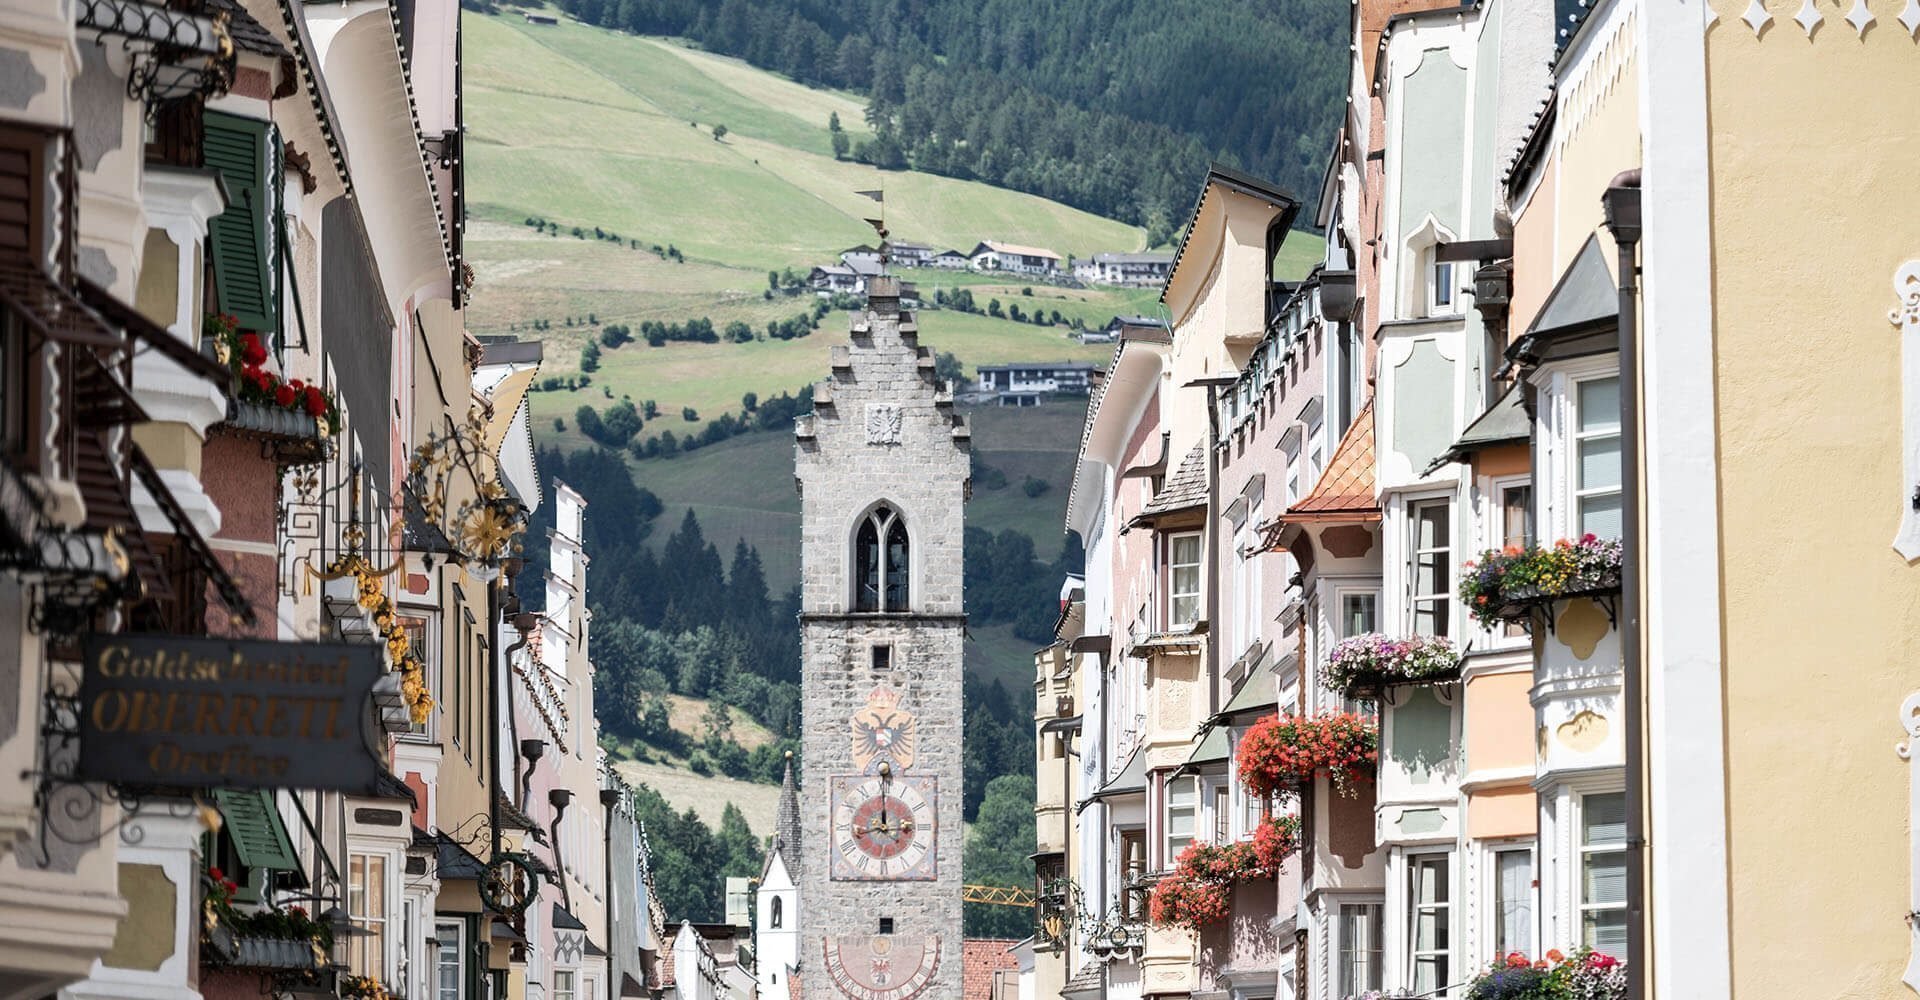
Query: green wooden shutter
[241,246]
[253,824]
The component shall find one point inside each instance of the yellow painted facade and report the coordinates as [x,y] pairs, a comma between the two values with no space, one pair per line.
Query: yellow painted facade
[1813,157]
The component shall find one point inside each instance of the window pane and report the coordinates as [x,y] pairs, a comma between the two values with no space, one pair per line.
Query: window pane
[1599,463]
[1513,902]
[1516,508]
[1430,526]
[1604,881]
[1603,819]
[1186,549]
[1186,610]
[1598,401]
[1605,931]
[1430,881]
[1357,610]
[897,567]
[1600,516]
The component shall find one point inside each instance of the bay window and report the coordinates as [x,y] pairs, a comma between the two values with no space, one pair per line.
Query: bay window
[1429,937]
[1183,580]
[1603,872]
[1430,565]
[1596,457]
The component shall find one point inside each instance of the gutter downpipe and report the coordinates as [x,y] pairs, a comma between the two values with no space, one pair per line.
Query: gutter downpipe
[1621,204]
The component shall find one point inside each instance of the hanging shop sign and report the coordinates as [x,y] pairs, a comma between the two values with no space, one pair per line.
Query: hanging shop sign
[184,712]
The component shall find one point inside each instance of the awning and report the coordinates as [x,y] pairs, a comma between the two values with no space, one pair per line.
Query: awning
[253,824]
[1256,696]
[1213,748]
[454,862]
[563,919]
[1505,422]
[1131,780]
[1579,316]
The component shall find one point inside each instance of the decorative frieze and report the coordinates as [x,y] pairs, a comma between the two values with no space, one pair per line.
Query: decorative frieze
[1906,316]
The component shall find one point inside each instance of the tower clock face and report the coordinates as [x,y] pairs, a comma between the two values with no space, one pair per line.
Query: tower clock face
[883,827]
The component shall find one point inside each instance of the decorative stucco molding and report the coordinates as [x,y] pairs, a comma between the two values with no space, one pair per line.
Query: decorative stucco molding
[1906,316]
[1910,17]
[1910,721]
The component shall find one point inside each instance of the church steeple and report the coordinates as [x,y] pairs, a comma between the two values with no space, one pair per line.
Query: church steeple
[786,822]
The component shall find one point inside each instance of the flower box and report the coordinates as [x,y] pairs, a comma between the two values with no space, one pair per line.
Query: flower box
[1198,892]
[1584,975]
[276,953]
[1285,753]
[1371,662]
[1507,584]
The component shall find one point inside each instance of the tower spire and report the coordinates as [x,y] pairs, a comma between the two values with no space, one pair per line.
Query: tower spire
[786,822]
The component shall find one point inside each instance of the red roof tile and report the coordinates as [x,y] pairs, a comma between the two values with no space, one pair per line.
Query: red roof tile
[1346,490]
[793,985]
[980,958]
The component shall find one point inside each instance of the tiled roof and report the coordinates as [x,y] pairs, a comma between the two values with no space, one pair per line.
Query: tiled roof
[1087,980]
[980,958]
[1184,490]
[1347,487]
[793,986]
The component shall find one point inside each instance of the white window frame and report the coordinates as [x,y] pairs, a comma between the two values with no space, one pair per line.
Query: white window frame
[1583,851]
[369,954]
[1576,441]
[1410,558]
[565,976]
[458,952]
[1170,851]
[1176,595]
[1493,920]
[1338,946]
[1447,910]
[1442,295]
[1556,515]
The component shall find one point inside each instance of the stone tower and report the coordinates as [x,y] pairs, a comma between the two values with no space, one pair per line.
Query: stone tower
[882,466]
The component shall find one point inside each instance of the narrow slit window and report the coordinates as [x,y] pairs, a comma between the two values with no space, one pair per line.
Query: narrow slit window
[882,657]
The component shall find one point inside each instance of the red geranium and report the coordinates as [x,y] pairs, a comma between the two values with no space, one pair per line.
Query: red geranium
[316,402]
[1274,840]
[251,350]
[283,395]
[1281,753]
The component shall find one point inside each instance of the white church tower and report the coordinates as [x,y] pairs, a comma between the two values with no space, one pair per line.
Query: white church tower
[776,923]
[882,466]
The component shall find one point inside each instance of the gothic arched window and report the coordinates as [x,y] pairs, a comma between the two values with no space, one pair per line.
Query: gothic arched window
[880,562]
[776,919]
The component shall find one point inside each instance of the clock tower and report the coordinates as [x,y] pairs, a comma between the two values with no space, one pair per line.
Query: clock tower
[882,466]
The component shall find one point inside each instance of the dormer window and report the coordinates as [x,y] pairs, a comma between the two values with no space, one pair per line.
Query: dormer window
[880,562]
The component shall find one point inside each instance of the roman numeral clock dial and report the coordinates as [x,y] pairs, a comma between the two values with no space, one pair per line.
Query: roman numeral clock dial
[883,827]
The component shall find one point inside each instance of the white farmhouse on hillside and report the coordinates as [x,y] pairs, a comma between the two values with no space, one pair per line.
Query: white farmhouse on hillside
[993,256]
[1026,383]
[1127,269]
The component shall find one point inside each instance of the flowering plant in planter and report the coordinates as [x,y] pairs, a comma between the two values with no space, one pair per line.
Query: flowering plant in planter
[1274,840]
[363,988]
[246,356]
[1374,660]
[1502,583]
[1280,753]
[1198,892]
[1584,975]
